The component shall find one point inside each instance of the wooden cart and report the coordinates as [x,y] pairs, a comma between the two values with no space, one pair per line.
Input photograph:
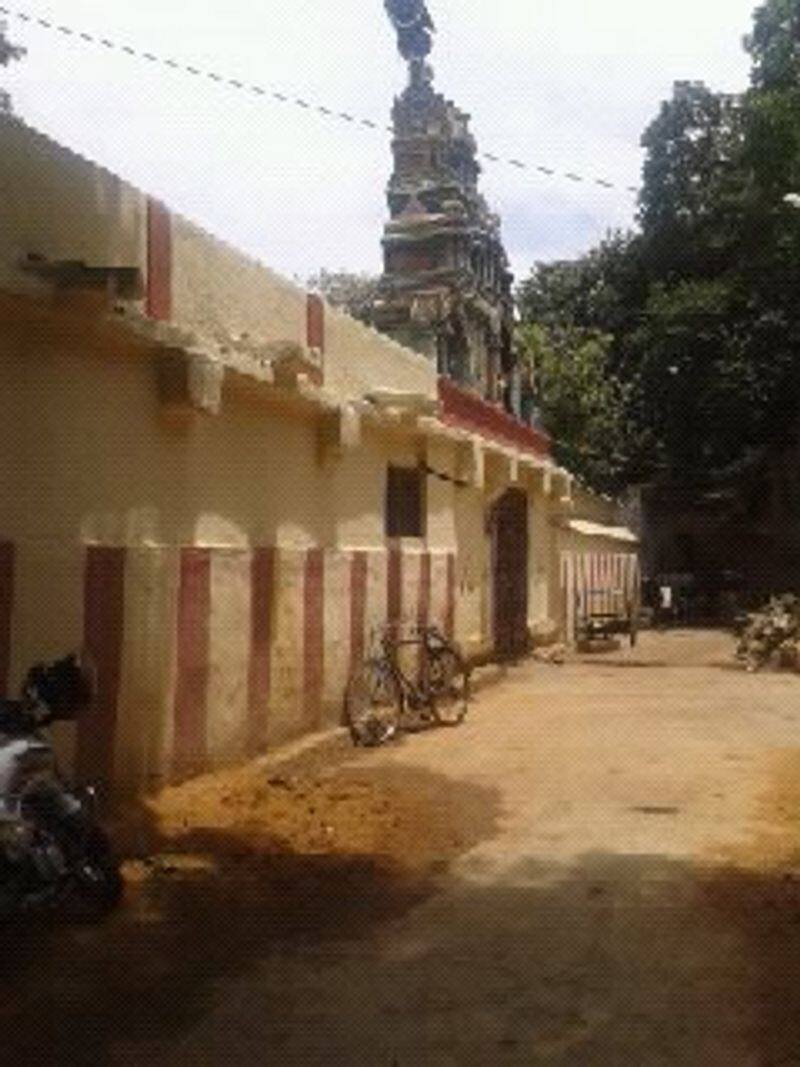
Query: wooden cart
[603,613]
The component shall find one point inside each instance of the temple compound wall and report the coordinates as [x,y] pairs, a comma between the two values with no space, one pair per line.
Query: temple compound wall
[199,480]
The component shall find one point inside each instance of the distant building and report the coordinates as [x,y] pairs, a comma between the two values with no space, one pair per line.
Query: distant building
[733,537]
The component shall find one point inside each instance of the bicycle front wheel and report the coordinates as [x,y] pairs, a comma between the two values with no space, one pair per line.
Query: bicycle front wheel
[373,704]
[448,682]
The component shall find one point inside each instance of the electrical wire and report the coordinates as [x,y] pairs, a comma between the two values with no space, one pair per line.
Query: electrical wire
[283,98]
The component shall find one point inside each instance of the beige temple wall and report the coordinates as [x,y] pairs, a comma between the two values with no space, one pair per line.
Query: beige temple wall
[89,459]
[218,292]
[595,508]
[232,555]
[95,460]
[542,563]
[60,206]
[98,462]
[103,461]
[359,359]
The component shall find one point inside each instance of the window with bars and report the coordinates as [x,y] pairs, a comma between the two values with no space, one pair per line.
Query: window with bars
[405,502]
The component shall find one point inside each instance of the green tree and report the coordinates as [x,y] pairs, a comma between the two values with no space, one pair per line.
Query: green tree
[773,150]
[589,292]
[701,304]
[580,404]
[601,291]
[353,293]
[694,389]
[693,184]
[774,46]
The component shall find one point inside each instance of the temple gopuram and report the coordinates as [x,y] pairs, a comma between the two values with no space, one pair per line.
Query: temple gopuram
[446,285]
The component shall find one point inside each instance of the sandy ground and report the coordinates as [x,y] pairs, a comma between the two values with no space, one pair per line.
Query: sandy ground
[601,866]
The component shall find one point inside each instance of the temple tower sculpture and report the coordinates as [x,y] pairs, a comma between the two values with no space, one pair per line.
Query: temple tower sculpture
[446,285]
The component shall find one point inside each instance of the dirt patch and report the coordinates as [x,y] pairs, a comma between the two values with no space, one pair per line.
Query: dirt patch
[775,842]
[222,872]
[403,816]
[753,887]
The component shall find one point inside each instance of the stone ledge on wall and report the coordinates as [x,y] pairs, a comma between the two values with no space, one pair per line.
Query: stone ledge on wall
[189,380]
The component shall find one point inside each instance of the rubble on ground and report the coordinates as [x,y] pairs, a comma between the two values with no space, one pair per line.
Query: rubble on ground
[771,635]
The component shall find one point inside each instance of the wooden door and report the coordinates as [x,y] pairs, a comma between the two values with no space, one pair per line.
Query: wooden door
[509,524]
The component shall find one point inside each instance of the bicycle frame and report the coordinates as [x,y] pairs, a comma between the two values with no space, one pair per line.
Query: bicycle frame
[425,685]
[415,691]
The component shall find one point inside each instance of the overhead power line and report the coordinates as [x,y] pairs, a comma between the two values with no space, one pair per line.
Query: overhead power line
[283,98]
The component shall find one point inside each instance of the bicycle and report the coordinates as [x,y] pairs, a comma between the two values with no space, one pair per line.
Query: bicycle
[383,697]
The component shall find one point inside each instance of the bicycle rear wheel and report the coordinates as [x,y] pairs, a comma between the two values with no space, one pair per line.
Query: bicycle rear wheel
[448,683]
[373,704]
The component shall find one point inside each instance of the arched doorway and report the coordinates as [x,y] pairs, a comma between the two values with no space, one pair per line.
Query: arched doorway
[509,528]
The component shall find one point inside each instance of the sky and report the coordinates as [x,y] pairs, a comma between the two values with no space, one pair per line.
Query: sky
[567,84]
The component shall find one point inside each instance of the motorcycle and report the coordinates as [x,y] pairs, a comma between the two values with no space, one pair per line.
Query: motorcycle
[53,854]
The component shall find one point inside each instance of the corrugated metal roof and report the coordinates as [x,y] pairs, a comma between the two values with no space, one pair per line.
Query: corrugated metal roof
[597,529]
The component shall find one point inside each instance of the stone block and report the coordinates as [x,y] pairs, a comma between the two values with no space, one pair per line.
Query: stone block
[190,381]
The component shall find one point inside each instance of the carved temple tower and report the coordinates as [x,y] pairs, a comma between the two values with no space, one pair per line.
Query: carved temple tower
[446,286]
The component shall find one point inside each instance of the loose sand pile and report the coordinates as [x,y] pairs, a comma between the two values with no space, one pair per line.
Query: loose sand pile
[399,817]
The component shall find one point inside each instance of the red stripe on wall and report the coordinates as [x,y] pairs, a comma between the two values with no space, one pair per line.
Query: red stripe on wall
[394,586]
[158,304]
[424,604]
[191,685]
[315,322]
[6,611]
[580,583]
[591,561]
[103,632]
[313,637]
[450,601]
[262,599]
[358,607]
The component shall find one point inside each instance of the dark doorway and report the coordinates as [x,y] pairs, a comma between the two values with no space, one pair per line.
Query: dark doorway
[509,525]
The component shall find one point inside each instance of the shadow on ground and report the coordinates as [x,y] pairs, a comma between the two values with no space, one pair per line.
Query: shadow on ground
[204,906]
[616,959]
[427,933]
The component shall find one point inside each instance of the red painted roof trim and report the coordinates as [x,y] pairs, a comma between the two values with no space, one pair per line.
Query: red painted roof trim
[459,407]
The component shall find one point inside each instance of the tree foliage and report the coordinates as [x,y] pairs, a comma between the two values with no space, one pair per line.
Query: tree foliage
[774,46]
[353,293]
[699,306]
[692,184]
[579,401]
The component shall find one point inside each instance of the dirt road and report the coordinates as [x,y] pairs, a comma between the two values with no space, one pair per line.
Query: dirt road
[601,866]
